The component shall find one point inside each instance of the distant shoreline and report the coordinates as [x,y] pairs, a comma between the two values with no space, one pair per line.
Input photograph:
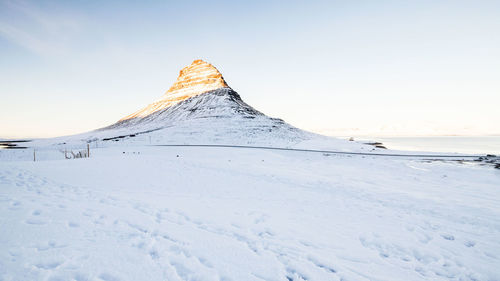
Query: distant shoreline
[12,144]
[453,144]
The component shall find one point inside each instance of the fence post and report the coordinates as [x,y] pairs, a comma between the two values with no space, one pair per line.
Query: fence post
[34,155]
[88,150]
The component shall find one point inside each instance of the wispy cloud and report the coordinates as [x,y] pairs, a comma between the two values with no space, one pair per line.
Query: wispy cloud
[42,31]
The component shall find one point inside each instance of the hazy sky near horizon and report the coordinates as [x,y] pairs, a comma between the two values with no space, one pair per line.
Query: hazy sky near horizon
[338,67]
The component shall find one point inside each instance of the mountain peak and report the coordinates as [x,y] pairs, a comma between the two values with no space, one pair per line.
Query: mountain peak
[195,79]
[199,76]
[201,108]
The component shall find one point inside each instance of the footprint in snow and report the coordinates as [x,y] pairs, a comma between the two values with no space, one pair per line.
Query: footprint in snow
[470,244]
[491,255]
[108,277]
[47,246]
[205,262]
[73,224]
[448,237]
[15,204]
[35,221]
[159,217]
[322,265]
[48,264]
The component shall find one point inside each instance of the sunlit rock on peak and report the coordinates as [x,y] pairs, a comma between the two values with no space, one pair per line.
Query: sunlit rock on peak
[195,79]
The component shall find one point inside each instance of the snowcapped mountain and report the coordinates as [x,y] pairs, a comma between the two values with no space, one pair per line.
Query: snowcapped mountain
[201,107]
[200,92]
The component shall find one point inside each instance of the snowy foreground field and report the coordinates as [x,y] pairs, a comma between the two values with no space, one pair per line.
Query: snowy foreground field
[173,213]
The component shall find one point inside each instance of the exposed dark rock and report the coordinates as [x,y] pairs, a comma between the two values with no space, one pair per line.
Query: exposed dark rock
[376,144]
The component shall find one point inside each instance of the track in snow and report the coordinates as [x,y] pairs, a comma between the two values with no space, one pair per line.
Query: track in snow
[322,151]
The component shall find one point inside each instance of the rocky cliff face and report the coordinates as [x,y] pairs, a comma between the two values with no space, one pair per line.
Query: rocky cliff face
[198,78]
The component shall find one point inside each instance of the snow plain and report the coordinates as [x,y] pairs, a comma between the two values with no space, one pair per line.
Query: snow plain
[176,213]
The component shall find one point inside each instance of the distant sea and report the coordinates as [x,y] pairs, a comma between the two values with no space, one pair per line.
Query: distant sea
[458,144]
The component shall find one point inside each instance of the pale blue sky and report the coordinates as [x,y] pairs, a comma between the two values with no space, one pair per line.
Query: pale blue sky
[341,67]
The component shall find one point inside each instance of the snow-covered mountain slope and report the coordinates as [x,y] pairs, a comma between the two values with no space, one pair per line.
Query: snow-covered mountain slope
[219,103]
[218,116]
